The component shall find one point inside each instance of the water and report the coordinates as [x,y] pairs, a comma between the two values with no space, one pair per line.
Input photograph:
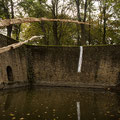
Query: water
[59,104]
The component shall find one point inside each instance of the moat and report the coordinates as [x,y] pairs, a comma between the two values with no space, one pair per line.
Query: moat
[59,104]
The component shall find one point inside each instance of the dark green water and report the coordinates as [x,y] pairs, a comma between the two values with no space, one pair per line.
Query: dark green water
[59,104]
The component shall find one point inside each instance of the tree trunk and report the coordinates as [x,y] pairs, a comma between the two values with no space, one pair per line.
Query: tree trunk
[7,15]
[9,31]
[89,36]
[55,33]
[83,31]
[9,28]
[83,35]
[12,9]
[78,36]
[55,24]
[18,31]
[104,28]
[45,33]
[79,19]
[100,24]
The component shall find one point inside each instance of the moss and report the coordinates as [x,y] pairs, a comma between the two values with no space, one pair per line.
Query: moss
[101,45]
[53,45]
[71,45]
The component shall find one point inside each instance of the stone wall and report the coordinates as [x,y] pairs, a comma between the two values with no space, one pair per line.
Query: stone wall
[16,61]
[4,41]
[58,66]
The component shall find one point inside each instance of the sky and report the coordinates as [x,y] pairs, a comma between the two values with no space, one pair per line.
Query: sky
[48,1]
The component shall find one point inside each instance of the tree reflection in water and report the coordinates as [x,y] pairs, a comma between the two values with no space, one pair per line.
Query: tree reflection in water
[59,104]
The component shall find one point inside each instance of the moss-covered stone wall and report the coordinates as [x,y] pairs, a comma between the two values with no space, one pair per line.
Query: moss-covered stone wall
[16,60]
[58,66]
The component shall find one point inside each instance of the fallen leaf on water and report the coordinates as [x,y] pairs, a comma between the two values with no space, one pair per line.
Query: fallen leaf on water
[108,112]
[54,110]
[73,113]
[57,117]
[28,114]
[21,118]
[118,111]
[11,114]
[93,113]
[13,118]
[108,89]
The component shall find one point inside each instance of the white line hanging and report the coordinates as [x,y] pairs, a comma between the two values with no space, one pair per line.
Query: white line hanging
[80,59]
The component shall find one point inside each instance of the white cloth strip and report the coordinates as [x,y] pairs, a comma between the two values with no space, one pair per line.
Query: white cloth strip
[80,59]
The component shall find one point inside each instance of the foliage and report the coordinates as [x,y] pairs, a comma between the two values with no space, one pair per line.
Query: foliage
[104,17]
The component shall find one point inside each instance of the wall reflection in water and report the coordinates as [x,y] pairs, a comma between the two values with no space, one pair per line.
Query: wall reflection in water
[59,104]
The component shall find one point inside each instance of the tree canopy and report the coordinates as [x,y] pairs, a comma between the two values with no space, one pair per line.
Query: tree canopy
[103,17]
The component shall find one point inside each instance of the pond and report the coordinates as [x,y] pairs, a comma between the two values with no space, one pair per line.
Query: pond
[59,104]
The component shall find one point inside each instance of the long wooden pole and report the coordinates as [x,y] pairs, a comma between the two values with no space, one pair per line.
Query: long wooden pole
[16,45]
[7,22]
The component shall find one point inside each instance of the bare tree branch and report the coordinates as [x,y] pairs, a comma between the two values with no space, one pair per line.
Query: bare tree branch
[8,22]
[16,45]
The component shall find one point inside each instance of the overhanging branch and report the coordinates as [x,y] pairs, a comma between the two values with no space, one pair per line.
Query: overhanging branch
[7,22]
[16,45]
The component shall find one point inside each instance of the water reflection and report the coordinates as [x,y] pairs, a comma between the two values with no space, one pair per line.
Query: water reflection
[8,101]
[59,104]
[78,110]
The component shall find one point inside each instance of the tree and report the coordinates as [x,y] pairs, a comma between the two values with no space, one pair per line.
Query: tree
[103,17]
[54,9]
[7,10]
[79,5]
[36,9]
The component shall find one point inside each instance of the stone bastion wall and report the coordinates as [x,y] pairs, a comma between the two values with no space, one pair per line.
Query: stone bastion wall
[58,66]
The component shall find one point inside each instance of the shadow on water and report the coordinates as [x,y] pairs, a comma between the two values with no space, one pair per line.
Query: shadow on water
[59,104]
[8,101]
